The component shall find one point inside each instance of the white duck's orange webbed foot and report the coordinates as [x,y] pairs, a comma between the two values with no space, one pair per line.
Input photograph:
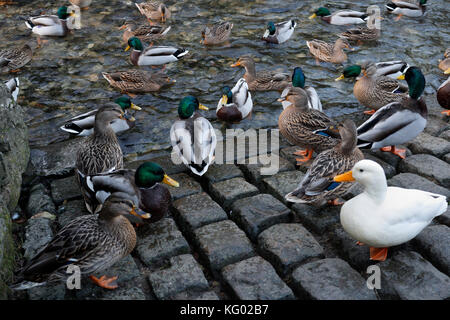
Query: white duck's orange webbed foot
[379,254]
[105,282]
[398,152]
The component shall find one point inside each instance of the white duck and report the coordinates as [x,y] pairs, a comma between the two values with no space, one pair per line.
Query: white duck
[383,216]
[280,32]
[236,104]
[193,137]
[153,56]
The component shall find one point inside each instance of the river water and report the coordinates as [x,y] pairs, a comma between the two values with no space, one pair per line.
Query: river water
[64,78]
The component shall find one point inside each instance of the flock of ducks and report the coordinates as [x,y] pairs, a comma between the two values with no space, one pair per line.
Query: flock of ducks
[379,217]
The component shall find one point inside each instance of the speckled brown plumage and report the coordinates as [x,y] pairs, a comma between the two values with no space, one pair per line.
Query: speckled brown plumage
[137,81]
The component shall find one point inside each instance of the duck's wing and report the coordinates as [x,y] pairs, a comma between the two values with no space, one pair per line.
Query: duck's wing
[79,123]
[390,85]
[120,183]
[349,14]
[159,51]
[313,98]
[45,20]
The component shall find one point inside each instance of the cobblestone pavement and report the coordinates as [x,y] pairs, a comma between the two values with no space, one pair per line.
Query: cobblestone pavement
[231,235]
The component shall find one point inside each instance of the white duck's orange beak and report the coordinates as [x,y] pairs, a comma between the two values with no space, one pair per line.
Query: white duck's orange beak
[348,176]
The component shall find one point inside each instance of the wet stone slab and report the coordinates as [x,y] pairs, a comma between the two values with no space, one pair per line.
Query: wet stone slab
[222,243]
[65,189]
[388,169]
[71,210]
[356,255]
[444,218]
[56,291]
[197,210]
[255,279]
[282,183]
[190,295]
[39,201]
[188,186]
[317,219]
[286,245]
[257,213]
[217,173]
[425,143]
[164,161]
[330,279]
[446,158]
[228,191]
[414,181]
[183,274]
[408,276]
[160,241]
[433,242]
[427,166]
[38,233]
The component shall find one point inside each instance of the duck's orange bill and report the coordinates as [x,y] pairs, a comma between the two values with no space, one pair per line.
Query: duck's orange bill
[344,177]
[168,180]
[140,213]
[236,64]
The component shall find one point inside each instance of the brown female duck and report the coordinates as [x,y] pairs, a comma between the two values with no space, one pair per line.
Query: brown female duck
[443,96]
[328,52]
[137,81]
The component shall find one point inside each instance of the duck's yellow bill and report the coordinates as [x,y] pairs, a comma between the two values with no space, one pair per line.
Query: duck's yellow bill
[202,107]
[281,99]
[127,48]
[401,77]
[236,64]
[140,213]
[447,71]
[168,180]
[224,100]
[344,177]
[312,16]
[123,27]
[340,78]
[135,107]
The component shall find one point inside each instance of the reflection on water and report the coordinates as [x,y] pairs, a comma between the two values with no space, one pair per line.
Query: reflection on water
[64,79]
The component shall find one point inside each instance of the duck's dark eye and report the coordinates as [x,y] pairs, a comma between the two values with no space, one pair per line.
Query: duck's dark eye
[361,170]
[227,27]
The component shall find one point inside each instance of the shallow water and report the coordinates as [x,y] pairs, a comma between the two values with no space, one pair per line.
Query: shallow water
[64,78]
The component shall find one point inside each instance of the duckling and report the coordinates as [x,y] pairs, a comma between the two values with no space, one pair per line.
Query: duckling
[12,59]
[193,137]
[407,8]
[317,186]
[444,65]
[90,242]
[443,96]
[383,216]
[217,33]
[154,10]
[306,127]
[236,104]
[280,32]
[374,91]
[264,80]
[341,17]
[144,33]
[327,52]
[83,125]
[397,122]
[298,80]
[137,81]
[153,56]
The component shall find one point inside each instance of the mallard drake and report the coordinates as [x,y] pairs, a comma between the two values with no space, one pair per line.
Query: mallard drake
[217,33]
[407,8]
[280,32]
[361,34]
[383,216]
[137,81]
[374,91]
[12,59]
[236,104]
[341,17]
[50,25]
[263,80]
[298,80]
[154,10]
[153,56]
[91,242]
[145,33]
[83,125]
[306,127]
[391,69]
[101,151]
[397,122]
[13,87]
[142,186]
[444,65]
[193,137]
[443,96]
[317,186]
[83,4]
[328,52]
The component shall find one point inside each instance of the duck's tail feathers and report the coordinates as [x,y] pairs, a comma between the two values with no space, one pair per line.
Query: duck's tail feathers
[293,197]
[71,128]
[28,23]
[361,144]
[390,6]
[165,31]
[180,53]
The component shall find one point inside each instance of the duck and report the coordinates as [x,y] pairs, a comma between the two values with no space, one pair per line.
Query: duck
[92,243]
[298,80]
[13,59]
[83,124]
[144,33]
[153,56]
[12,85]
[143,186]
[236,104]
[341,17]
[373,91]
[192,136]
[154,10]
[100,152]
[318,186]
[381,216]
[137,81]
[397,122]
[264,80]
[328,52]
[217,33]
[280,32]
[306,127]
[82,4]
[407,8]
[443,96]
[50,25]
[361,34]
[444,65]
